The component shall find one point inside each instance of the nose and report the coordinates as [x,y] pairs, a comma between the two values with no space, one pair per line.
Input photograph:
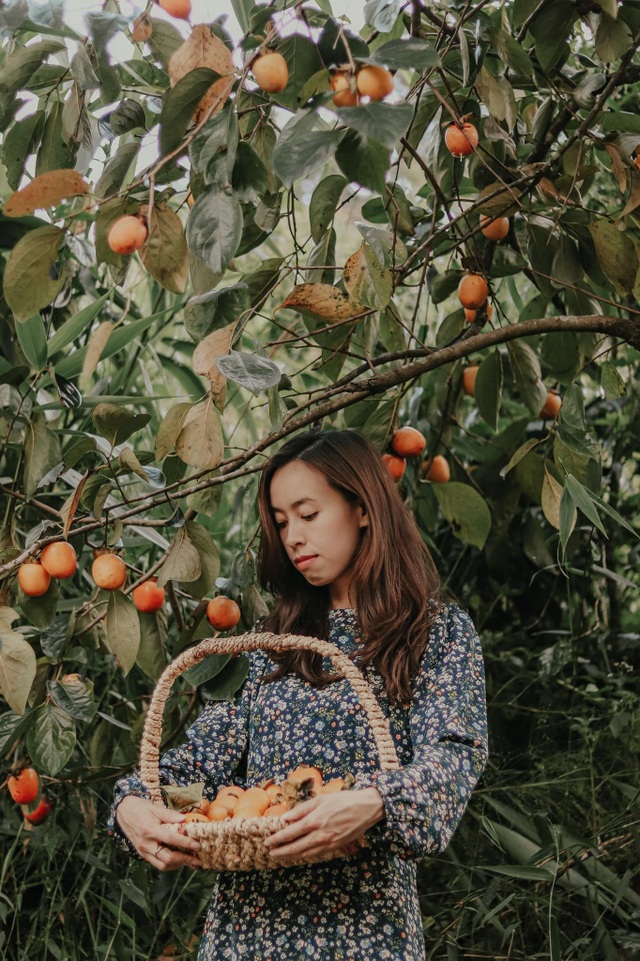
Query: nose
[294,533]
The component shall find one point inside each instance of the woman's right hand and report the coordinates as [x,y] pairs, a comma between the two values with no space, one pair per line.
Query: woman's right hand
[153,831]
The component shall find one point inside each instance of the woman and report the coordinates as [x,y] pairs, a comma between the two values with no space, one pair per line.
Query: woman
[345,561]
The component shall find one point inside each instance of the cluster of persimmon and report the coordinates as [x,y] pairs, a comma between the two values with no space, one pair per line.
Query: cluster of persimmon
[24,788]
[369,80]
[56,560]
[409,442]
[270,799]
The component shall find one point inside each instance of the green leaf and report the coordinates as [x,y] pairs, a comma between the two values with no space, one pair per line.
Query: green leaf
[521,872]
[18,144]
[613,514]
[115,171]
[410,54]
[182,562]
[214,228]
[28,284]
[613,39]
[512,53]
[122,630]
[76,325]
[164,41]
[581,497]
[521,452]
[466,510]
[305,143]
[51,739]
[363,160]
[215,309]
[488,389]
[527,375]
[213,150]
[55,152]
[33,340]
[116,423]
[17,663]
[209,560]
[230,679]
[612,383]
[324,201]
[385,122]
[75,698]
[551,29]
[179,104]
[152,653]
[165,253]
[303,61]
[103,26]
[20,65]
[567,518]
[200,442]
[42,453]
[382,14]
[205,669]
[616,254]
[252,371]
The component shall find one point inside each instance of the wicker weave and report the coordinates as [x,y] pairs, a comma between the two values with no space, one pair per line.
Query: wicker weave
[237,844]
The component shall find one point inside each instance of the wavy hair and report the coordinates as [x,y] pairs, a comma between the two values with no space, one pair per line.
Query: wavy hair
[395,580]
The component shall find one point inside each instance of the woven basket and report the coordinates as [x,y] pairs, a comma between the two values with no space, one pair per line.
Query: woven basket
[237,844]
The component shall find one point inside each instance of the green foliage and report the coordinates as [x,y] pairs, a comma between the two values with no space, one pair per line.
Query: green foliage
[300,268]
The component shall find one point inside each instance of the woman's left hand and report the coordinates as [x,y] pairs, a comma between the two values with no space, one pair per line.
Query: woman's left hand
[326,823]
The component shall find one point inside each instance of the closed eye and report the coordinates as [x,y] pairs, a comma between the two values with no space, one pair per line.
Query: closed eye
[309,517]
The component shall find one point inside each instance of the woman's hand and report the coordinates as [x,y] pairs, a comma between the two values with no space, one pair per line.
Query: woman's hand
[153,831]
[326,823]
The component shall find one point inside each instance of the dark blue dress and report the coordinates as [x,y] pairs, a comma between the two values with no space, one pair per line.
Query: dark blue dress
[363,907]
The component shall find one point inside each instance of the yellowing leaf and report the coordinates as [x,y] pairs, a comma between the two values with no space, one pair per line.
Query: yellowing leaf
[551,494]
[45,191]
[200,442]
[97,343]
[204,49]
[17,663]
[182,562]
[214,345]
[165,253]
[323,300]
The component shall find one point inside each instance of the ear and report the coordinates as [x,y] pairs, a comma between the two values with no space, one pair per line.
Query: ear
[364,517]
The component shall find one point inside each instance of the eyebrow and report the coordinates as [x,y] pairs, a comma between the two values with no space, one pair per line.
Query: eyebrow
[298,503]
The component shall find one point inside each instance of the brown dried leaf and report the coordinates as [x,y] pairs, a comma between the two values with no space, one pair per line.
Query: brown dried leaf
[200,442]
[70,506]
[323,300]
[45,191]
[96,345]
[634,197]
[205,356]
[204,49]
[617,165]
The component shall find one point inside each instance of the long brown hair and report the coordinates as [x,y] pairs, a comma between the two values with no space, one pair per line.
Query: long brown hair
[394,581]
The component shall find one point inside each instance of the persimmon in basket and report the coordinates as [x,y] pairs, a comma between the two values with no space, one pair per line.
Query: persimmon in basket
[270,799]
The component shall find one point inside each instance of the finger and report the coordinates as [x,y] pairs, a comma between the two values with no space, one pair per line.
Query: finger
[164,859]
[168,816]
[179,842]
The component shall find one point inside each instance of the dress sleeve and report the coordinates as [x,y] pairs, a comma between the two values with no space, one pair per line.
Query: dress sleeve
[212,751]
[424,801]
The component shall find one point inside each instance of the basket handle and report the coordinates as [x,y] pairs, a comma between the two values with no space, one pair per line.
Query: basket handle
[152,732]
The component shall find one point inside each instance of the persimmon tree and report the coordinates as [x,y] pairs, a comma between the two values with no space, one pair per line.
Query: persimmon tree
[295,262]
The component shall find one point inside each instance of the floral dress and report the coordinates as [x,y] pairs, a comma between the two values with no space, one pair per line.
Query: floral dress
[365,906]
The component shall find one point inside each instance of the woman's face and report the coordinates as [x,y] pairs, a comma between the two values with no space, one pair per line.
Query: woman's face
[319,528]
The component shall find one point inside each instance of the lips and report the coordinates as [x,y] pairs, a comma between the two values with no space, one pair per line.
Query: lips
[304,561]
